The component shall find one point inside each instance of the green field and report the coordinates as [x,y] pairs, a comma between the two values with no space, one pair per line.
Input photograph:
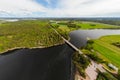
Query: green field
[85,25]
[95,25]
[37,33]
[63,29]
[108,51]
[27,34]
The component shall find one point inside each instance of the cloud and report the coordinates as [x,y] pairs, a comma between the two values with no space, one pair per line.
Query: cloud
[20,7]
[83,8]
[60,8]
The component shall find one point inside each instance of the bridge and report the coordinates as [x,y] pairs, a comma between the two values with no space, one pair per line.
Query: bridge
[97,66]
[68,42]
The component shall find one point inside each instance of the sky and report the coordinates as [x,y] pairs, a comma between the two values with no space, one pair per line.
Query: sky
[59,8]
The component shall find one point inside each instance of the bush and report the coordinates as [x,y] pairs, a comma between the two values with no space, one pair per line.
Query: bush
[81,63]
[118,75]
[89,45]
[92,25]
[94,57]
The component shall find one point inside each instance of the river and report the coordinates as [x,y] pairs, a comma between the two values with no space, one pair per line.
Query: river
[79,37]
[53,63]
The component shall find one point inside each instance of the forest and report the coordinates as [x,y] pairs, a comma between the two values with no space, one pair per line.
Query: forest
[27,34]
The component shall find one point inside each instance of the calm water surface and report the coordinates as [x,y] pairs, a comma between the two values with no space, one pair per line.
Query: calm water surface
[52,63]
[37,64]
[79,37]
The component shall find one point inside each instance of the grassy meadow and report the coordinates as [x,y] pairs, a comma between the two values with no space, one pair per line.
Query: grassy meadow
[95,25]
[109,52]
[84,25]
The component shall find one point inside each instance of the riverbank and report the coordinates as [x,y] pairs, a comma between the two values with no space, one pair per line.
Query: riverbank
[40,47]
[106,50]
[52,63]
[79,38]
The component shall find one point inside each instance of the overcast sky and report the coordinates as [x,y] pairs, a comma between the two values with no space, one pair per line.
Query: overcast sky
[59,8]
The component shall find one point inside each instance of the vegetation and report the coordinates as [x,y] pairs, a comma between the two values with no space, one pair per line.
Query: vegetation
[80,62]
[118,75]
[97,50]
[36,33]
[105,76]
[95,25]
[106,50]
[95,58]
[89,45]
[64,27]
[88,51]
[83,25]
[27,33]
[71,24]
[109,21]
[116,44]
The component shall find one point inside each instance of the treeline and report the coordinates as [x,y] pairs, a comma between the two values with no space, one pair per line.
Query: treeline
[112,22]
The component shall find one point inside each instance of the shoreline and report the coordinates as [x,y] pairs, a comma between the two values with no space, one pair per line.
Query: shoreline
[39,47]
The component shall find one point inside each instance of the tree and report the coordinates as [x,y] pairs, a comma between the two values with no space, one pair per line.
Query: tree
[89,45]
[80,62]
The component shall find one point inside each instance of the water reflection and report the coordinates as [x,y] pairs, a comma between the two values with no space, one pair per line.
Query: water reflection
[79,37]
[37,64]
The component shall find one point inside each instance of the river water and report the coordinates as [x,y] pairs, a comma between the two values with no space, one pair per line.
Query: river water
[52,63]
[79,37]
